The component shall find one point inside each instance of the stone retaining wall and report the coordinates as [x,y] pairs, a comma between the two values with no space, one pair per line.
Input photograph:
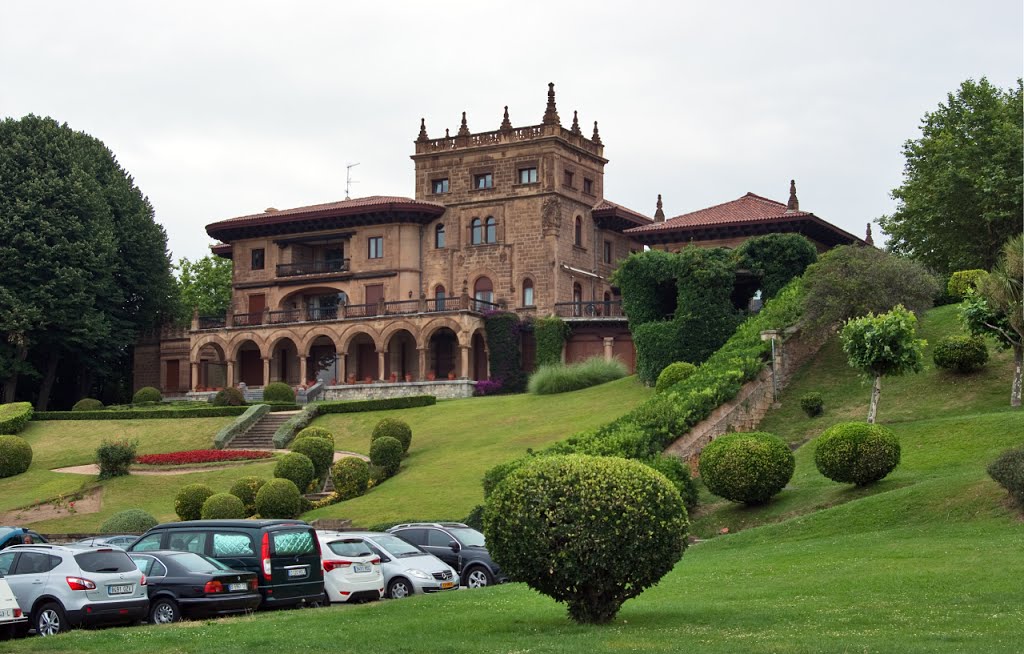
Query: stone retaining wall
[441,389]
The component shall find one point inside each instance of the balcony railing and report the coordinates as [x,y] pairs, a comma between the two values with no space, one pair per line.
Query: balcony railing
[247,319]
[286,315]
[210,323]
[312,267]
[590,309]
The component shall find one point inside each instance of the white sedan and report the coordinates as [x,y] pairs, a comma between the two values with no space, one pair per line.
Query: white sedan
[352,572]
[11,616]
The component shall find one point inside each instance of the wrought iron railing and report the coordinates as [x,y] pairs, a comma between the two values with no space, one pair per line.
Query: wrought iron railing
[210,323]
[247,319]
[312,267]
[285,315]
[590,309]
[322,313]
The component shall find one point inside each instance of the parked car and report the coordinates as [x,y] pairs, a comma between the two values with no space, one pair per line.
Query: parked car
[284,554]
[458,545]
[351,570]
[12,620]
[185,584]
[63,587]
[120,540]
[407,569]
[16,536]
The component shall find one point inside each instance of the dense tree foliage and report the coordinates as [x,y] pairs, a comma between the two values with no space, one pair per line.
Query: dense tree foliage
[85,266]
[203,285]
[962,189]
[775,259]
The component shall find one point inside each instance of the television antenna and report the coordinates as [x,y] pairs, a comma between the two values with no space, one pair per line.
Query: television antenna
[348,179]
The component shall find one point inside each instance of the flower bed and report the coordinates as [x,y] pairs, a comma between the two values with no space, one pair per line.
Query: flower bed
[200,456]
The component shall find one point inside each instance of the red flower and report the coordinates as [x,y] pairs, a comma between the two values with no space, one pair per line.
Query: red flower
[201,456]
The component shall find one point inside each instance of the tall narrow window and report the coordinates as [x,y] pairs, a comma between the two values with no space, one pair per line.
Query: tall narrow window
[439,236]
[528,293]
[257,258]
[567,179]
[476,232]
[607,251]
[578,234]
[492,230]
[588,186]
[577,299]
[439,297]
[375,247]
[483,294]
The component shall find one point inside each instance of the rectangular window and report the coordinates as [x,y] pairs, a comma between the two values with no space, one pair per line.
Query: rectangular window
[257,258]
[483,180]
[375,247]
[607,251]
[440,185]
[232,545]
[293,543]
[567,181]
[588,186]
[528,175]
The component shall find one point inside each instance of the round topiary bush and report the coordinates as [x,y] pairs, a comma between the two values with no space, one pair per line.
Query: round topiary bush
[87,404]
[748,468]
[673,374]
[397,429]
[857,452]
[131,521]
[677,472]
[278,498]
[278,392]
[812,404]
[223,506]
[297,468]
[15,456]
[1008,472]
[245,489]
[188,504]
[386,452]
[319,450]
[316,432]
[591,532]
[961,353]
[146,394]
[229,397]
[351,477]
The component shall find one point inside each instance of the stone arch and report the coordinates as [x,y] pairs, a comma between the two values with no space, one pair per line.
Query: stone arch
[346,337]
[363,353]
[238,340]
[316,333]
[402,358]
[431,327]
[389,331]
[208,340]
[248,357]
[275,338]
[479,367]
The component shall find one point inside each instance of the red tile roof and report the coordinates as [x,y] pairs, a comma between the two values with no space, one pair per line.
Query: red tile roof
[611,208]
[748,208]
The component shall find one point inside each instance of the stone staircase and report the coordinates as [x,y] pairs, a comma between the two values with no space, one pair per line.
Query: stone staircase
[261,435]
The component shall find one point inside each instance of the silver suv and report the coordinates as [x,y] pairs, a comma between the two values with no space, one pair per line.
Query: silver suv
[61,587]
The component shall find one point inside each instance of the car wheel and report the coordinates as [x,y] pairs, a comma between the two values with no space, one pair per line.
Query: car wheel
[478,577]
[50,620]
[164,611]
[399,588]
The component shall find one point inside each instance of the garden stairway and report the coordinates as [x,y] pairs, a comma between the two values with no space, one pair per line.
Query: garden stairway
[261,435]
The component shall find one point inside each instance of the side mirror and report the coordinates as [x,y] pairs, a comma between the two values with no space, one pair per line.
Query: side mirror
[455,546]
[384,559]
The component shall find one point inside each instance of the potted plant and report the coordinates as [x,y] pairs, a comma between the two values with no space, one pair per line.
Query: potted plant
[451,374]
[394,377]
[431,376]
[408,377]
[352,378]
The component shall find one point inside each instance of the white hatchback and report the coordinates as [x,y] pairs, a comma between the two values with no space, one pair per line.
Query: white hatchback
[11,616]
[352,572]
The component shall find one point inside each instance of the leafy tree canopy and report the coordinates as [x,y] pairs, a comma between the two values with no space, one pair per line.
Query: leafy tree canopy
[203,284]
[961,197]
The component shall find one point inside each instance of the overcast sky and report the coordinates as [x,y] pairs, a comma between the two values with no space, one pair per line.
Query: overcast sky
[223,109]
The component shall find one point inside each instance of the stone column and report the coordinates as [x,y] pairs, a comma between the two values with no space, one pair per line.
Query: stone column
[381,356]
[195,373]
[422,361]
[229,374]
[342,372]
[464,350]
[266,371]
[302,369]
[609,348]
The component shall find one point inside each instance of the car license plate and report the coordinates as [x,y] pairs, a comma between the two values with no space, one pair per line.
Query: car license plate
[126,589]
[447,584]
[297,572]
[6,613]
[233,587]
[362,567]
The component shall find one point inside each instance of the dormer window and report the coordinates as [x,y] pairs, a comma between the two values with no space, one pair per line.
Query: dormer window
[483,181]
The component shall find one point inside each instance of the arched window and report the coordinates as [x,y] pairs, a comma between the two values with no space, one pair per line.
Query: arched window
[483,292]
[528,293]
[579,231]
[439,297]
[476,232]
[492,230]
[439,236]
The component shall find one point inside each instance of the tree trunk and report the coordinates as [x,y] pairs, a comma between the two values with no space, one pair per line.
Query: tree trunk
[48,378]
[876,392]
[1018,363]
[11,383]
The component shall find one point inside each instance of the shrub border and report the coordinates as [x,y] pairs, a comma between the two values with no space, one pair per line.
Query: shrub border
[286,432]
[156,414]
[240,424]
[19,415]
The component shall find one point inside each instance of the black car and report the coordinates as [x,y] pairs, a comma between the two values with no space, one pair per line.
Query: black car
[458,545]
[185,584]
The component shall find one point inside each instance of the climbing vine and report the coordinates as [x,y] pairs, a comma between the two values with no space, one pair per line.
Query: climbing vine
[550,334]
[503,336]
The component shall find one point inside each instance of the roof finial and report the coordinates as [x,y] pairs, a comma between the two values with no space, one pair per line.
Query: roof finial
[793,204]
[506,124]
[868,238]
[659,215]
[597,137]
[550,113]
[576,124]
[446,134]
[464,129]
[423,131]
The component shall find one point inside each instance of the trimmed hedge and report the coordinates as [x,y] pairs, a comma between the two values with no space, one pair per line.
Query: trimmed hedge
[550,335]
[673,374]
[775,259]
[316,432]
[857,453]
[395,428]
[278,392]
[812,404]
[351,477]
[749,468]
[279,499]
[297,468]
[245,489]
[188,503]
[202,411]
[386,452]
[15,456]
[229,397]
[287,431]
[130,521]
[87,404]
[559,378]
[249,417]
[1008,472]
[961,354]
[115,457]
[14,417]
[319,450]
[355,406]
[147,394]
[678,472]
[223,506]
[964,280]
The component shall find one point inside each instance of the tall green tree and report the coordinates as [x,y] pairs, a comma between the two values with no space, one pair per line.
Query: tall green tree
[203,284]
[961,197]
[85,266]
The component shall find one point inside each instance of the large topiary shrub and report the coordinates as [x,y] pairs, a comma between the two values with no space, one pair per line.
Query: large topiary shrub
[319,450]
[188,504]
[813,404]
[278,498]
[87,404]
[278,392]
[115,457]
[15,456]
[678,472]
[749,468]
[297,468]
[223,506]
[775,259]
[351,477]
[1008,472]
[591,532]
[316,432]
[131,521]
[386,452]
[230,396]
[857,453]
[395,428]
[14,417]
[961,354]
[147,394]
[673,374]
[245,489]
[963,281]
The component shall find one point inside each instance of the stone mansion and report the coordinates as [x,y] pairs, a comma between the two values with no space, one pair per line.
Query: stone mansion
[395,289]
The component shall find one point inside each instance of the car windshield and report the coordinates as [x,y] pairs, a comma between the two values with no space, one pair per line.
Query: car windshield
[197,563]
[397,547]
[350,547]
[468,537]
[4,533]
[105,561]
